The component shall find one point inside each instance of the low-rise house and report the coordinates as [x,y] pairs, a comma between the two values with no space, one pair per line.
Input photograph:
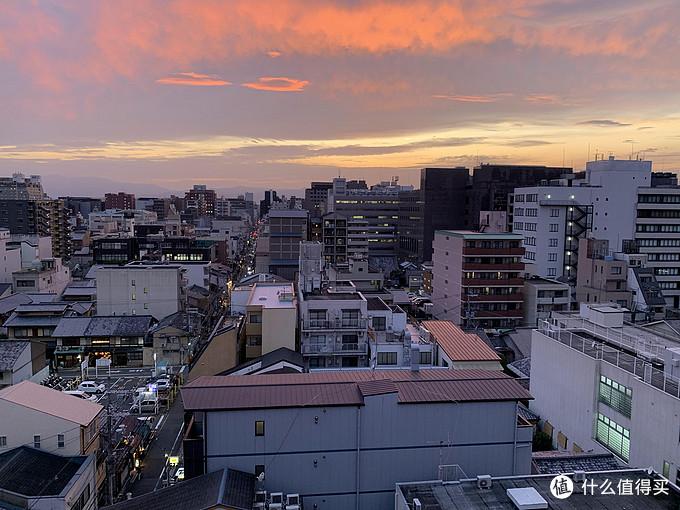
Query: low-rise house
[271,318]
[172,338]
[21,360]
[279,361]
[48,419]
[81,290]
[459,350]
[121,338]
[342,439]
[224,489]
[33,479]
[47,275]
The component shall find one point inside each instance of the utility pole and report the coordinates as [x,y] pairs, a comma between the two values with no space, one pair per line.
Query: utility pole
[109,453]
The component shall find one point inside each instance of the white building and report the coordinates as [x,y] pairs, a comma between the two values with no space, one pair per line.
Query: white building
[542,297]
[10,259]
[35,415]
[144,289]
[42,276]
[115,220]
[601,385]
[552,219]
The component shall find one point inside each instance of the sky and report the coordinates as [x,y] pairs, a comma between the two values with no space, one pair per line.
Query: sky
[155,95]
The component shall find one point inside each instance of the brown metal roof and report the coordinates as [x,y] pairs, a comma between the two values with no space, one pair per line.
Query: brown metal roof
[348,388]
[458,345]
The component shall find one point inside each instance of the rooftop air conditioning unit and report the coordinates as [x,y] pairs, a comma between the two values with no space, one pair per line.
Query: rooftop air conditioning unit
[260,500]
[276,501]
[579,476]
[484,481]
[292,502]
[417,505]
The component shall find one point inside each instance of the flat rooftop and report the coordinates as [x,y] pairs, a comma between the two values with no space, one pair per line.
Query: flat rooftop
[466,495]
[330,296]
[469,234]
[272,295]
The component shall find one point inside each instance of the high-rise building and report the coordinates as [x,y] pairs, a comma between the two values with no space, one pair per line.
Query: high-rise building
[316,198]
[344,238]
[269,198]
[491,185]
[44,217]
[120,200]
[379,207]
[20,187]
[200,201]
[83,205]
[287,229]
[478,278]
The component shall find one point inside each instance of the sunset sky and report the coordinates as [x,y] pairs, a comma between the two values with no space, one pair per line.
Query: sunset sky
[158,95]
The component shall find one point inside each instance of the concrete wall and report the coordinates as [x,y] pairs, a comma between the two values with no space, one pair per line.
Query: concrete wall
[447,260]
[157,291]
[19,424]
[219,355]
[313,450]
[278,328]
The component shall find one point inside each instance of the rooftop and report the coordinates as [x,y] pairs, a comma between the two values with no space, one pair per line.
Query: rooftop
[224,488]
[272,295]
[102,325]
[53,402]
[568,462]
[331,296]
[469,234]
[278,361]
[10,350]
[466,495]
[31,472]
[375,303]
[344,388]
[458,345]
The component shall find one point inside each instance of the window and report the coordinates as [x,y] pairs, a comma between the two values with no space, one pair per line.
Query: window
[615,395]
[387,358]
[613,436]
[553,242]
[146,306]
[616,270]
[259,428]
[36,441]
[666,469]
[531,227]
[255,318]
[379,323]
[132,282]
[552,257]
[554,227]
[60,441]
[552,271]
[531,212]
[3,441]
[554,213]
[426,358]
[254,340]
[259,469]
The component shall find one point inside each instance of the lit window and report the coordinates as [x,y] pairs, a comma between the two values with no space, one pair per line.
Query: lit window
[259,428]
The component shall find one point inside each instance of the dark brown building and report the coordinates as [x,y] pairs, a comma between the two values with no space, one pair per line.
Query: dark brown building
[119,200]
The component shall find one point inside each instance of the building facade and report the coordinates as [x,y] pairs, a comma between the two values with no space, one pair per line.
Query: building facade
[477,278]
[119,200]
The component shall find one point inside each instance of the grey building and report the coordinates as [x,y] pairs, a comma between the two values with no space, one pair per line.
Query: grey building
[287,229]
[343,439]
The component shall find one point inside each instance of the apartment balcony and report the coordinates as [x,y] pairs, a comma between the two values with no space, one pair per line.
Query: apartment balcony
[343,324]
[495,298]
[510,266]
[498,314]
[335,348]
[495,252]
[553,300]
[495,282]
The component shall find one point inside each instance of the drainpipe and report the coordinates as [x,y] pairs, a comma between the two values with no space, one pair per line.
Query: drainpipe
[514,442]
[358,452]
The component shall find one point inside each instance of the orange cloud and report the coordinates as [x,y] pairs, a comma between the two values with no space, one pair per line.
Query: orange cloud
[193,80]
[274,54]
[277,84]
[472,99]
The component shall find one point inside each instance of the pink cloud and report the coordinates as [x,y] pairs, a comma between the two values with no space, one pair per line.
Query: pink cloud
[274,53]
[492,98]
[277,84]
[193,80]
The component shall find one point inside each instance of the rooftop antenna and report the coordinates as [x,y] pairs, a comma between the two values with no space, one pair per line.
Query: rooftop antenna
[564,154]
[588,158]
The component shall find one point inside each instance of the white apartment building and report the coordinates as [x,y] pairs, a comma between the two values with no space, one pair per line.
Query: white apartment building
[602,385]
[552,219]
[42,276]
[115,220]
[10,259]
[153,289]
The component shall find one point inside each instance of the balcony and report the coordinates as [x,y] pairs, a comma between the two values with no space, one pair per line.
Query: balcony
[498,298]
[316,325]
[508,266]
[495,282]
[335,348]
[498,314]
[496,252]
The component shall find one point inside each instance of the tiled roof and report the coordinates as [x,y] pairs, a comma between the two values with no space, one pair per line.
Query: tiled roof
[561,462]
[33,472]
[348,388]
[521,367]
[117,325]
[31,320]
[10,350]
[224,488]
[52,402]
[458,345]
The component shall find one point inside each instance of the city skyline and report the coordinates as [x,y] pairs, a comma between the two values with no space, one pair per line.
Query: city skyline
[161,95]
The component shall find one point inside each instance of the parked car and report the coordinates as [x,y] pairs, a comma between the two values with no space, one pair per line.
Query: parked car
[91,387]
[163,384]
[81,394]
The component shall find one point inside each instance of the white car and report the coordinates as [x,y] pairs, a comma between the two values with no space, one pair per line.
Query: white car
[91,387]
[163,384]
